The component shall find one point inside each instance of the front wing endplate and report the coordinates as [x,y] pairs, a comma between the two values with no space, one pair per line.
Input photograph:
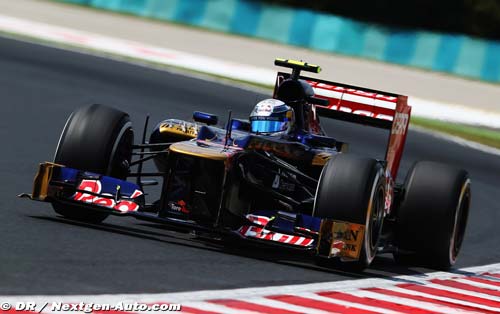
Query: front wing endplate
[340,239]
[42,180]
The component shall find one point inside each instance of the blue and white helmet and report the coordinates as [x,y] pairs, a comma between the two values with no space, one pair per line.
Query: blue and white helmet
[272,117]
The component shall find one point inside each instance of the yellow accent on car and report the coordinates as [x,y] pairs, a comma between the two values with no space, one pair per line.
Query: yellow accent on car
[191,148]
[303,65]
[42,179]
[321,159]
[187,129]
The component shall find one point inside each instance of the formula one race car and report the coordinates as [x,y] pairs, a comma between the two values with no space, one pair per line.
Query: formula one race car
[276,179]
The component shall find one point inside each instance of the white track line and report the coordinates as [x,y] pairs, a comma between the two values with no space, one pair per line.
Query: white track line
[426,305]
[380,273]
[444,299]
[201,300]
[179,297]
[347,303]
[464,292]
[491,278]
[284,305]
[136,50]
[477,284]
[207,306]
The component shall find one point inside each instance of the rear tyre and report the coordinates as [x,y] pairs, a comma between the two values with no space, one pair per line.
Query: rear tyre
[432,218]
[98,139]
[352,189]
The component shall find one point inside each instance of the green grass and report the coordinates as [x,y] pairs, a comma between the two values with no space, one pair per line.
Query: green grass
[486,136]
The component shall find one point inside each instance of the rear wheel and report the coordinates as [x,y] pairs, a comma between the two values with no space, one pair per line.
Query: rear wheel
[98,139]
[352,189]
[432,218]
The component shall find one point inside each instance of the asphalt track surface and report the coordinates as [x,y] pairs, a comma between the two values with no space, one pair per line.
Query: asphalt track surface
[41,253]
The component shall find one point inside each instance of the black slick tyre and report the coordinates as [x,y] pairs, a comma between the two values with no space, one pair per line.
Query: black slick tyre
[98,139]
[352,189]
[432,217]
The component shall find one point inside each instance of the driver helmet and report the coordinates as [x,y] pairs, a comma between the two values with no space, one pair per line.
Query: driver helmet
[272,117]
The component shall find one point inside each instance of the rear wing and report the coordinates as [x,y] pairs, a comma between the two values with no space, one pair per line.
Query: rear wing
[363,106]
[355,105]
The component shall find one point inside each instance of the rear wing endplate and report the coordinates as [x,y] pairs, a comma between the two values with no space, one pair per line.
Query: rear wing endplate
[363,106]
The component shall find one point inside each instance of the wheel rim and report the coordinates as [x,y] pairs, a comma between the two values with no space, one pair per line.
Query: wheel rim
[460,221]
[120,153]
[374,218]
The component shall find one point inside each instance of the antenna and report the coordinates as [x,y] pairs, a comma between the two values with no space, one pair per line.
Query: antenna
[295,74]
[143,142]
[229,128]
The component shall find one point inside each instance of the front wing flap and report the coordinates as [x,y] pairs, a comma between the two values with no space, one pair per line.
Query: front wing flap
[55,183]
[327,238]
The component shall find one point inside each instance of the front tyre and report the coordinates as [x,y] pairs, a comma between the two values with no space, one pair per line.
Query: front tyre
[432,218]
[352,189]
[98,139]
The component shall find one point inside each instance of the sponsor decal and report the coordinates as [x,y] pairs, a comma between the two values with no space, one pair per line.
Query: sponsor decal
[359,102]
[389,191]
[352,235]
[398,135]
[337,247]
[179,127]
[95,187]
[339,238]
[264,234]
[266,107]
[258,220]
[179,206]
[305,230]
[351,91]
[366,113]
[400,123]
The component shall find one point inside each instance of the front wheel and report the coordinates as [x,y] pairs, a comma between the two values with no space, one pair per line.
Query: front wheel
[433,215]
[352,189]
[98,139]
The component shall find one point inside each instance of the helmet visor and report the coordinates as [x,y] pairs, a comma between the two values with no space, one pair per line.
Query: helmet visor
[268,126]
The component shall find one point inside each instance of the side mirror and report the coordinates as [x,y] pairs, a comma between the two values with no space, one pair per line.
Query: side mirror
[240,124]
[207,118]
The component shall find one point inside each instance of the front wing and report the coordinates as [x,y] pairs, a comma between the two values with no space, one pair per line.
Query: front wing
[90,191]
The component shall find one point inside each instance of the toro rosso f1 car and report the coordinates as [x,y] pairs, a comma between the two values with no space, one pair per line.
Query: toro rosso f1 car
[301,190]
